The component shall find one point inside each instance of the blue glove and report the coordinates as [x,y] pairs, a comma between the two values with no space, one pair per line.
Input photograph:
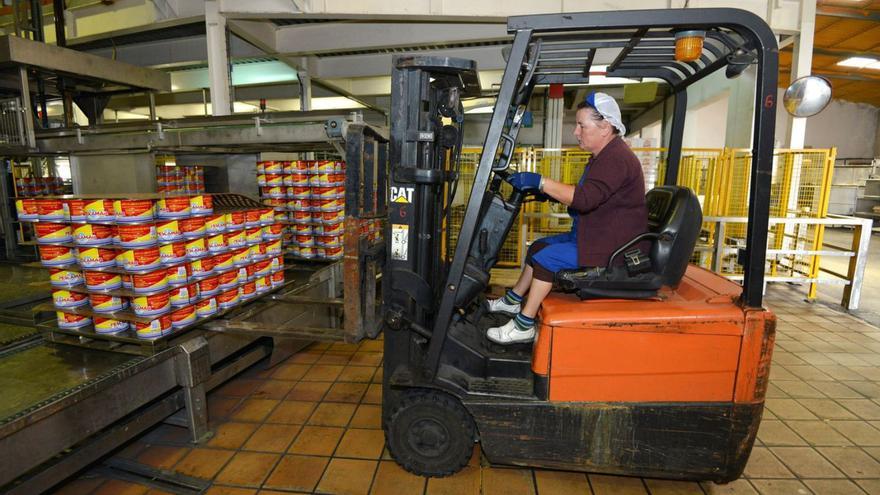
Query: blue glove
[525,181]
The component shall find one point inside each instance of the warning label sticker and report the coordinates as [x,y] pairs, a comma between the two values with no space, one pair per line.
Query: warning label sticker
[399,241]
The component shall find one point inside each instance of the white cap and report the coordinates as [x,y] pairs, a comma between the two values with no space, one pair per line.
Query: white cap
[608,109]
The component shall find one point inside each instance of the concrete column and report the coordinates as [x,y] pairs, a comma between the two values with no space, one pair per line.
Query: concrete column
[218,58]
[801,65]
[305,90]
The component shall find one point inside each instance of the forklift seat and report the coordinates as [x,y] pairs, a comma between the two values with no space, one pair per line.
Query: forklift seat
[674,222]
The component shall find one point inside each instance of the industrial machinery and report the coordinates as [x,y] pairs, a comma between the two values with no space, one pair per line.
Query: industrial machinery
[664,376]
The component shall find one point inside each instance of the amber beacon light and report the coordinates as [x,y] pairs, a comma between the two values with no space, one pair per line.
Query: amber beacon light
[689,45]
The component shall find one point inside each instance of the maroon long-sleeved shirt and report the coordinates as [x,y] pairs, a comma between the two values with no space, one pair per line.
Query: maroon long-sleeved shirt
[610,202]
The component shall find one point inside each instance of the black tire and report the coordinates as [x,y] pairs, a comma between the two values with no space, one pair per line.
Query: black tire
[430,434]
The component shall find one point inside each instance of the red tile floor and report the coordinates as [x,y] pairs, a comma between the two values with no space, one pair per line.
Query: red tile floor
[312,424]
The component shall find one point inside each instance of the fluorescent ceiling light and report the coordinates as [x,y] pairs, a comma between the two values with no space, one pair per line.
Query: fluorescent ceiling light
[861,63]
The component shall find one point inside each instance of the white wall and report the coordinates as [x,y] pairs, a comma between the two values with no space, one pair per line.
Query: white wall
[706,123]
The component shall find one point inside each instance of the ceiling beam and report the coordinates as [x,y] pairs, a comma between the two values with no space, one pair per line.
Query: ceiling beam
[848,13]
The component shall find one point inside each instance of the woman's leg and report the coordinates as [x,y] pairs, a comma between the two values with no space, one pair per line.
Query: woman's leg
[537,293]
[524,281]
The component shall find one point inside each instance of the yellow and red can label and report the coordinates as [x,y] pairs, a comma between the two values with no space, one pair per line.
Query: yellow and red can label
[299,179]
[278,278]
[174,207]
[155,328]
[263,284]
[196,248]
[52,209]
[77,209]
[228,298]
[150,282]
[222,261]
[102,280]
[70,320]
[261,179]
[304,240]
[193,227]
[267,216]
[217,243]
[202,267]
[183,316]
[235,221]
[332,216]
[236,239]
[206,307]
[142,258]
[215,224]
[273,231]
[137,235]
[183,295]
[66,299]
[174,252]
[106,303]
[249,289]
[201,204]
[96,257]
[64,278]
[273,167]
[99,210]
[273,248]
[277,263]
[333,253]
[88,234]
[302,216]
[151,305]
[299,192]
[179,274]
[209,286]
[168,230]
[252,218]
[261,268]
[229,279]
[254,235]
[109,325]
[134,210]
[53,233]
[27,209]
[241,257]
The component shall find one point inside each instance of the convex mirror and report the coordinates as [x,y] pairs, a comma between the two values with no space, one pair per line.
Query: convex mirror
[807,96]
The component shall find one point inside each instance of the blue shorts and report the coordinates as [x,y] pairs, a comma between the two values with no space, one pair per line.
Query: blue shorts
[551,254]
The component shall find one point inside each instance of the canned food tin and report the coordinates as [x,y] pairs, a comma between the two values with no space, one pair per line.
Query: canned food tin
[333,229]
[127,281]
[223,261]
[134,236]
[299,166]
[203,267]
[263,284]
[235,221]
[248,290]
[304,240]
[273,180]
[174,207]
[209,286]
[56,255]
[330,204]
[252,218]
[229,279]
[27,209]
[140,259]
[64,278]
[326,192]
[261,268]
[183,295]
[258,252]
[302,217]
[307,252]
[76,209]
[96,257]
[217,243]
[99,210]
[109,325]
[299,192]
[288,167]
[88,234]
[273,248]
[271,232]
[102,280]
[193,227]
[319,253]
[326,241]
[253,236]
[179,274]
[183,316]
[273,167]
[53,233]
[326,166]
[333,253]
[277,279]
[228,298]
[206,307]
[105,303]
[134,210]
[168,231]
[151,305]
[299,179]
[66,299]
[337,179]
[154,329]
[261,179]
[235,239]
[332,217]
[302,229]
[301,204]
[52,210]
[151,281]
[241,257]
[172,253]
[321,180]
[201,204]
[276,264]
[70,320]
[215,224]
[196,248]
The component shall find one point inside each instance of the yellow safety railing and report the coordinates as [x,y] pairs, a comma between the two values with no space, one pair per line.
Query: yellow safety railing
[800,188]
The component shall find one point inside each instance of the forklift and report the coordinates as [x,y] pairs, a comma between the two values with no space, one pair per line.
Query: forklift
[661,373]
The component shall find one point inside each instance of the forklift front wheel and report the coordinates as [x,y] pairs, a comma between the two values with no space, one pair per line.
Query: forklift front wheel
[430,434]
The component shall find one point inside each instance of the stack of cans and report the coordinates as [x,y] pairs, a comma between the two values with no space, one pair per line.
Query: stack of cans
[27,187]
[309,196]
[174,179]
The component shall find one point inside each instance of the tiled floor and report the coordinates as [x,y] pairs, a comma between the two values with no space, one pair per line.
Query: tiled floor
[312,424]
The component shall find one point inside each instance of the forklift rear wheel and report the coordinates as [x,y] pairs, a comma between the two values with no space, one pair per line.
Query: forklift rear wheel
[430,434]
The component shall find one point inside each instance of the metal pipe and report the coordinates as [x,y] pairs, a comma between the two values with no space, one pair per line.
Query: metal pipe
[58,10]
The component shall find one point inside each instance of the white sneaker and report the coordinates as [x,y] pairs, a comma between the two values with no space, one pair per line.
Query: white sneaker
[499,306]
[509,333]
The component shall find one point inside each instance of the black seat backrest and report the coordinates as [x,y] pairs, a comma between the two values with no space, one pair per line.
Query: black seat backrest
[673,212]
